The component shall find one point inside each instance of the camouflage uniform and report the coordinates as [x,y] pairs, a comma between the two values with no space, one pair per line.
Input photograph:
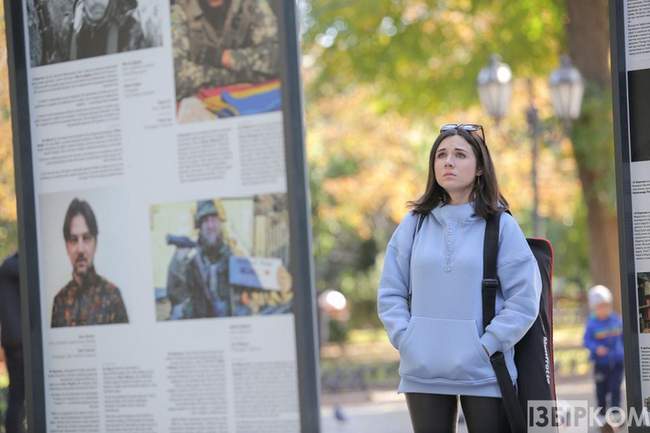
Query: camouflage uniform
[177,291]
[118,30]
[96,302]
[211,294]
[249,31]
[207,279]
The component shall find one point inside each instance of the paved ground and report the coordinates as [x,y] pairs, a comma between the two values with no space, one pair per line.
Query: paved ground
[385,412]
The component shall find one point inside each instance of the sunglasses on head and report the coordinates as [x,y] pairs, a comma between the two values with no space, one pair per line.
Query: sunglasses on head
[469,127]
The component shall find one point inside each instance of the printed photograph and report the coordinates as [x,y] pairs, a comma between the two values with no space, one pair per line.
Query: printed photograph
[639,84]
[221,257]
[226,58]
[84,267]
[64,30]
[643,287]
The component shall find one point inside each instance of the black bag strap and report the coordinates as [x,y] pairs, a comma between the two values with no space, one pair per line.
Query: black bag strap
[418,226]
[490,283]
[490,286]
[514,411]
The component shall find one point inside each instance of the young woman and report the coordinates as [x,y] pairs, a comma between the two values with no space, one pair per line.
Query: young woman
[444,351]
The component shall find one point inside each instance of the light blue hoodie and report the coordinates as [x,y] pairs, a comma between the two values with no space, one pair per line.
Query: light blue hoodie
[440,341]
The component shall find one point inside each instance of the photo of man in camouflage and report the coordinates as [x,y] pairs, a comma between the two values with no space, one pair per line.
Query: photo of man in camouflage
[88,298]
[220,43]
[207,272]
[200,279]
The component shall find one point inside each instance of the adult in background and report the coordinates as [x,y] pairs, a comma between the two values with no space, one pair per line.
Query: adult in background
[430,295]
[12,343]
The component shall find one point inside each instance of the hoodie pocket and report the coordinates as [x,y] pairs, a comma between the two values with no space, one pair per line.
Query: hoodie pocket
[444,351]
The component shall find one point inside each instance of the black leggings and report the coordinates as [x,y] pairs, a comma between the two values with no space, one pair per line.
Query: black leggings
[436,413]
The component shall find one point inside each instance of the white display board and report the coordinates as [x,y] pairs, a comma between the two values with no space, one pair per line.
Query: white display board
[156,169]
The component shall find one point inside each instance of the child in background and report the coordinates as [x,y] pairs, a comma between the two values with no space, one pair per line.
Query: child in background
[604,339]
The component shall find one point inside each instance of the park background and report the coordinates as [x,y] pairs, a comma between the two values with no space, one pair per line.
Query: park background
[380,77]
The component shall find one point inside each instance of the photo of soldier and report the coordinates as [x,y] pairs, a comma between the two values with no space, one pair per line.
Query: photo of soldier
[210,294]
[226,58]
[643,290]
[88,298]
[209,272]
[64,30]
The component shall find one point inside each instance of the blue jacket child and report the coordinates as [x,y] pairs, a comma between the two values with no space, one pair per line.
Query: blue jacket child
[604,339]
[607,333]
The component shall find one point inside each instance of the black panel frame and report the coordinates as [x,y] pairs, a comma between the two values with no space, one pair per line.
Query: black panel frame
[301,263]
[629,302]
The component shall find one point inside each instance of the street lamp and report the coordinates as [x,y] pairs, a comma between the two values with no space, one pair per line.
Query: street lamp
[495,88]
[567,88]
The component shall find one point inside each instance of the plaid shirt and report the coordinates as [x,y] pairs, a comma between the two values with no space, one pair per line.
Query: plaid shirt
[96,302]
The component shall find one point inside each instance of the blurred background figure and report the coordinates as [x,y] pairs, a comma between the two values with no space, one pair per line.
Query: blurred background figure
[12,343]
[604,339]
[334,314]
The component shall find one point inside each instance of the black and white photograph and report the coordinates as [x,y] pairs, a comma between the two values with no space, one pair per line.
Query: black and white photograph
[64,30]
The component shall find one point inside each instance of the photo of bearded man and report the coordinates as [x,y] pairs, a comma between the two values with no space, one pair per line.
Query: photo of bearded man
[88,298]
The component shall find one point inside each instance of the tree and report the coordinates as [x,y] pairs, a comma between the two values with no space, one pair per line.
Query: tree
[364,166]
[362,170]
[588,41]
[8,232]
[421,58]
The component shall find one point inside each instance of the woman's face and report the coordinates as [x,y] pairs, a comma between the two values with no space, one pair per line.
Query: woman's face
[455,167]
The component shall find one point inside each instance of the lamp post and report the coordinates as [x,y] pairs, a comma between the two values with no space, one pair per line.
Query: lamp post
[495,87]
[567,88]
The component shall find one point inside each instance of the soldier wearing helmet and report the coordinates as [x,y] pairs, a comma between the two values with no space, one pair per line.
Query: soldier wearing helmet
[208,286]
[198,279]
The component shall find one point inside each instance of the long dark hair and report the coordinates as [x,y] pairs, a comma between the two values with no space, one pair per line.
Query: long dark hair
[485,194]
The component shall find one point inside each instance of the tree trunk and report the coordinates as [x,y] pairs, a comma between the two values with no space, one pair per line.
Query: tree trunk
[603,239]
[588,41]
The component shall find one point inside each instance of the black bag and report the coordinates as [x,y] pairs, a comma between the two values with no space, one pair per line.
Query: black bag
[534,352]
